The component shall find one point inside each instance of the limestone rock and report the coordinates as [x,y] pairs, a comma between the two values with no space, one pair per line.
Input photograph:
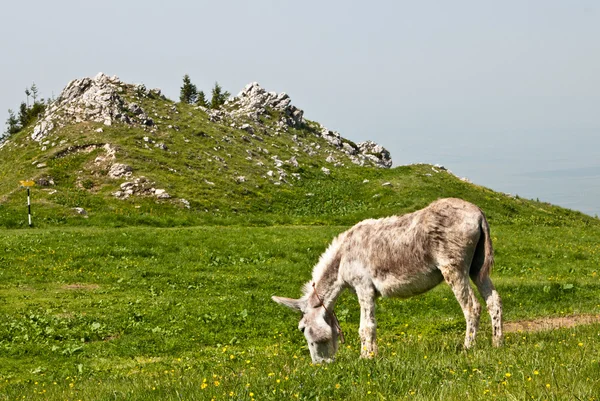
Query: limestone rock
[95,99]
[80,210]
[332,137]
[253,102]
[140,186]
[376,153]
[161,194]
[119,170]
[362,153]
[45,181]
[349,149]
[248,128]
[108,156]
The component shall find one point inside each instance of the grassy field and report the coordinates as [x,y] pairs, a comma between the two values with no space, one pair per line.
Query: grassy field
[145,298]
[185,313]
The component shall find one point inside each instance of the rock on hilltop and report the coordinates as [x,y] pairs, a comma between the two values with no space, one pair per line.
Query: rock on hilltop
[95,99]
[253,102]
[103,99]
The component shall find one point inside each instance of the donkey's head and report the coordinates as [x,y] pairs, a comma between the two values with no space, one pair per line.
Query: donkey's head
[317,324]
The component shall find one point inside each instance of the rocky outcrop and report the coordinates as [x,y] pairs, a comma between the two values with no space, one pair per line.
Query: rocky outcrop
[254,101]
[140,186]
[108,100]
[361,153]
[119,170]
[97,99]
[379,155]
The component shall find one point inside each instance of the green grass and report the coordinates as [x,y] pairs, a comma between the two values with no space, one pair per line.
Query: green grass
[147,299]
[153,313]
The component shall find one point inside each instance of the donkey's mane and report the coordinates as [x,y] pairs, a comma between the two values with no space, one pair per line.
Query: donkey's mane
[327,267]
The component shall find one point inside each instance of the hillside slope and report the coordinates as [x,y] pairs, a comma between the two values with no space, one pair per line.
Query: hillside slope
[110,153]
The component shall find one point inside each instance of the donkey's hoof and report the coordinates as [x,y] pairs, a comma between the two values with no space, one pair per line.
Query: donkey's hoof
[368,354]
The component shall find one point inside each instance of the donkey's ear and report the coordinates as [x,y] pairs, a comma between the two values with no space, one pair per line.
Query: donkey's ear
[295,304]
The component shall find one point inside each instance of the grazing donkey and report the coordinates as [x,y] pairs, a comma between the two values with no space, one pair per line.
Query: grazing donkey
[400,256]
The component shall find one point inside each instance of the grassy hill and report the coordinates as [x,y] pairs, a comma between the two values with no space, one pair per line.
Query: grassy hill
[146,298]
[234,165]
[217,167]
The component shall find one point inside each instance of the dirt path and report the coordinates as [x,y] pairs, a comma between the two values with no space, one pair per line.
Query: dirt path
[80,286]
[550,323]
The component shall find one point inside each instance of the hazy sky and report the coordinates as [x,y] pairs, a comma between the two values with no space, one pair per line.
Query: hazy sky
[490,89]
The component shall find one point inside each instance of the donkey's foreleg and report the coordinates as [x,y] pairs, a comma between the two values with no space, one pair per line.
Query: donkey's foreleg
[368,326]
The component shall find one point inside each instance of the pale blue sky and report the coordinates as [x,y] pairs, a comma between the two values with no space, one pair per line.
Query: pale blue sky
[497,91]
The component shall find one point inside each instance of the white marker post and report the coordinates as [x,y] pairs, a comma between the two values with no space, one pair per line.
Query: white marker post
[28,184]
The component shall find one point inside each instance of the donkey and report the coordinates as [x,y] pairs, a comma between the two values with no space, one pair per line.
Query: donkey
[400,256]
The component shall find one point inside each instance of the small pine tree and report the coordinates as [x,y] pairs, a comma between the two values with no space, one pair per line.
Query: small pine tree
[27,114]
[201,100]
[12,123]
[189,92]
[23,114]
[224,96]
[218,96]
[34,92]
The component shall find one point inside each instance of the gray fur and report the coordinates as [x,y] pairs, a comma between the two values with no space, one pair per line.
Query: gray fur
[401,256]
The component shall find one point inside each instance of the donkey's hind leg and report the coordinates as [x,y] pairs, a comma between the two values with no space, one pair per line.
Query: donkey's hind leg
[494,306]
[458,279]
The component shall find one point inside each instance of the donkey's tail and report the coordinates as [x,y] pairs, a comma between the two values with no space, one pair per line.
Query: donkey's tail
[483,259]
